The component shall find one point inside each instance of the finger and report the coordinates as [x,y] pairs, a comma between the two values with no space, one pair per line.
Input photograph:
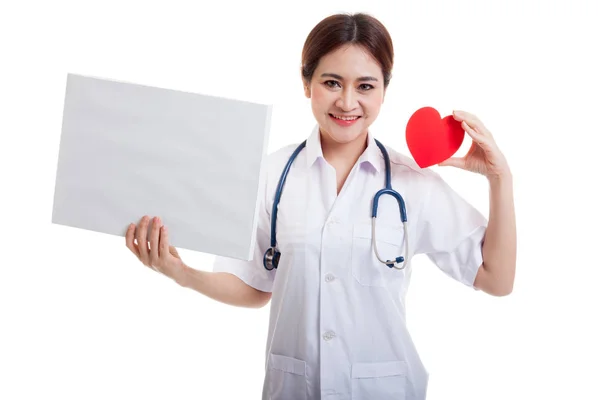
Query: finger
[142,240]
[154,240]
[476,136]
[472,120]
[164,242]
[457,162]
[129,240]
[465,116]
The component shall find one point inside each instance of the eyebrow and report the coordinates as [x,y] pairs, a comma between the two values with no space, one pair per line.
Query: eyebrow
[361,79]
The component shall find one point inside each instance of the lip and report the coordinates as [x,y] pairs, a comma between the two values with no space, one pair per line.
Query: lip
[341,122]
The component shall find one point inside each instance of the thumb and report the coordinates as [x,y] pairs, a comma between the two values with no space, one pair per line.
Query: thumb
[174,252]
[453,162]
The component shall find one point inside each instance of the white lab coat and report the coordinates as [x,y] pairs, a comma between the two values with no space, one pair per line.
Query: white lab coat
[337,320]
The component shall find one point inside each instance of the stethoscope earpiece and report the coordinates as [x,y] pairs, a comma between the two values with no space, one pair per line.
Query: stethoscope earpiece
[392,264]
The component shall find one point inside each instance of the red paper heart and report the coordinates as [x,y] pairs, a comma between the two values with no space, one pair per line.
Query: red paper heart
[430,138]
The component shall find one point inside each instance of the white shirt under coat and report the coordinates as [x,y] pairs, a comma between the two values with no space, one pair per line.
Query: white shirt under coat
[339,313]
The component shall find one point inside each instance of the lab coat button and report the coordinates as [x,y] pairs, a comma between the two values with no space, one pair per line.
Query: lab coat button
[328,335]
[329,277]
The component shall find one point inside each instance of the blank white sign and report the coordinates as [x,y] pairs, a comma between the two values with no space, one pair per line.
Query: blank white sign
[130,150]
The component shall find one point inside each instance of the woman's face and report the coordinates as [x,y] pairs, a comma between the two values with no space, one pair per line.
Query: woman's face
[346,93]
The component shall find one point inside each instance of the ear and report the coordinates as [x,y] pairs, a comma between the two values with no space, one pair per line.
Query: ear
[307,90]
[305,83]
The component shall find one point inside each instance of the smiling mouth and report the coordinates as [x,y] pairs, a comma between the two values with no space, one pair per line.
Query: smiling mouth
[345,118]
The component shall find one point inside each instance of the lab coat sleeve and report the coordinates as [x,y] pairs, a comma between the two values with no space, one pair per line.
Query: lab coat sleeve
[252,272]
[451,232]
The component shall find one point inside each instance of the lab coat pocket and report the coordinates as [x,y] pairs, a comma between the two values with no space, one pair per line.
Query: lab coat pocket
[381,381]
[287,378]
[366,268]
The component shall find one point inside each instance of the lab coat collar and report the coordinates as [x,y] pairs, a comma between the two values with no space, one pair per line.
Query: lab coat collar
[372,154]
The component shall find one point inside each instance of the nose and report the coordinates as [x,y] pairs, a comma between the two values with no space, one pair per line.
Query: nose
[347,100]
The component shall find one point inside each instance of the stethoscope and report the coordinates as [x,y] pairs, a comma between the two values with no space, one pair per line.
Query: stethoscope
[272,255]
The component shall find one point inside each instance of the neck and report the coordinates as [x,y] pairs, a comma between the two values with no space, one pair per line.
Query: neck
[343,155]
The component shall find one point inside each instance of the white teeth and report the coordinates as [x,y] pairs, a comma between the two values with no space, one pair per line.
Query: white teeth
[345,118]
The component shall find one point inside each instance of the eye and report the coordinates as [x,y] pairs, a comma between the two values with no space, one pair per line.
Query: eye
[331,84]
[366,86]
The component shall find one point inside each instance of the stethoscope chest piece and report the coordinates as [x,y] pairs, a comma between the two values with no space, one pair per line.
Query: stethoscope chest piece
[271,258]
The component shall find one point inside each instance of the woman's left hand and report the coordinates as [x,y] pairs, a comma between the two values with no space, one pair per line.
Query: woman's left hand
[484,156]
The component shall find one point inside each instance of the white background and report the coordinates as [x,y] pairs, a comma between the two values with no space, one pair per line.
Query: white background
[81,318]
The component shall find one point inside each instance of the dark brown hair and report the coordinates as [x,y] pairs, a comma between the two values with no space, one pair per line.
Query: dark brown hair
[340,29]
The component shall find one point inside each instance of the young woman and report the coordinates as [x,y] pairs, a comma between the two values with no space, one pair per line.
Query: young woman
[336,282]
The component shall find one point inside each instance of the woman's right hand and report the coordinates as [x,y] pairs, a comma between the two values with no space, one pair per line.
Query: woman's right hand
[155,252]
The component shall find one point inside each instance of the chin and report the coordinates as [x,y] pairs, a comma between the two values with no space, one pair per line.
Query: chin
[342,135]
